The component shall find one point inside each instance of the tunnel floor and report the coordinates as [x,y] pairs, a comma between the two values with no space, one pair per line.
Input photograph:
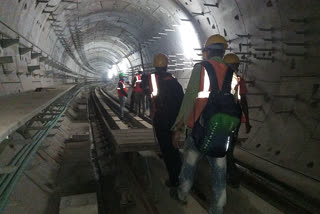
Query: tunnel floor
[135,185]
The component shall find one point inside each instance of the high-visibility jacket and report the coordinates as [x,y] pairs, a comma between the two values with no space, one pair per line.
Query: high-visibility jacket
[241,86]
[120,94]
[242,90]
[166,96]
[205,89]
[137,87]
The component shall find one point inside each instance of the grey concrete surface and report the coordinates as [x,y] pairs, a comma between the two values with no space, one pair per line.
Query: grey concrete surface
[16,110]
[39,181]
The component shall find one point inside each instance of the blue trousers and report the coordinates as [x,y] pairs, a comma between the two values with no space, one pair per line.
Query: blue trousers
[122,101]
[218,166]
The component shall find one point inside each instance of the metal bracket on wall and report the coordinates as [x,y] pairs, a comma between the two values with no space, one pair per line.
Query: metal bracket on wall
[35,55]
[266,29]
[272,59]
[6,59]
[244,36]
[212,5]
[23,51]
[305,54]
[32,68]
[5,43]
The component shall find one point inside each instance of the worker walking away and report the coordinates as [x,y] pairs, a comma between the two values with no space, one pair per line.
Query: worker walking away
[210,113]
[139,95]
[167,95]
[122,94]
[145,87]
[233,61]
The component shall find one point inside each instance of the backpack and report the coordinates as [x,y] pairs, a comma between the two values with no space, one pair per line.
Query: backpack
[213,131]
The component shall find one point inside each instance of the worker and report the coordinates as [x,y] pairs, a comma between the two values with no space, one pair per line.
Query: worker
[145,87]
[122,94]
[233,61]
[233,175]
[167,95]
[139,96]
[194,102]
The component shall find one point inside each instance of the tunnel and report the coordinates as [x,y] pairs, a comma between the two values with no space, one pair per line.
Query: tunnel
[63,148]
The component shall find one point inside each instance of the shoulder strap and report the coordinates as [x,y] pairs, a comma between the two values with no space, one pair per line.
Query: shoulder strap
[212,75]
[226,86]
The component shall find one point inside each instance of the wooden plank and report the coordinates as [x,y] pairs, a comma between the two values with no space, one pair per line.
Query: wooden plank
[130,142]
[85,203]
[115,132]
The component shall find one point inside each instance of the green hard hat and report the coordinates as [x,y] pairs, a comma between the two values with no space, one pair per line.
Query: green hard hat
[121,75]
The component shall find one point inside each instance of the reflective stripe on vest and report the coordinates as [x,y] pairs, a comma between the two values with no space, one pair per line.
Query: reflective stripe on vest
[205,88]
[123,85]
[154,85]
[138,80]
[236,86]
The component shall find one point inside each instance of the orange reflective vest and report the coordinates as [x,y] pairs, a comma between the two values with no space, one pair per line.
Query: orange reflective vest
[136,87]
[204,89]
[120,94]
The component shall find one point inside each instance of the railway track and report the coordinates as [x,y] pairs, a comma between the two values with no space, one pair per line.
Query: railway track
[120,191]
[115,135]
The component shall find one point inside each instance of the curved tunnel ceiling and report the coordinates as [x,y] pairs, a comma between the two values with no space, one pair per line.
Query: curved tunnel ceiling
[117,26]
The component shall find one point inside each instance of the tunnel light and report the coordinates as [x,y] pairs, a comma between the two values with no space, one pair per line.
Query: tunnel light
[124,65]
[112,72]
[164,34]
[189,38]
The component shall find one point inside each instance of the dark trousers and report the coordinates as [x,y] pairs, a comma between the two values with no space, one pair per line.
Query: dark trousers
[171,155]
[132,101]
[233,175]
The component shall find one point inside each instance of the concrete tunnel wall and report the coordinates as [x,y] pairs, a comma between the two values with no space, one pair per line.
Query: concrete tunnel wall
[277,41]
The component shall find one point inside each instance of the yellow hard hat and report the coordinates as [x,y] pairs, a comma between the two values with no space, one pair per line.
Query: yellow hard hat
[216,39]
[231,58]
[160,60]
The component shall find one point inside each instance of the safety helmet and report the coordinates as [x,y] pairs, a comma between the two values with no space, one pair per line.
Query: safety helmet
[231,58]
[160,60]
[121,75]
[213,40]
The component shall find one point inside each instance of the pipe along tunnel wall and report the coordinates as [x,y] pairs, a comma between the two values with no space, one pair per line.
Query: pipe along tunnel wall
[47,43]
